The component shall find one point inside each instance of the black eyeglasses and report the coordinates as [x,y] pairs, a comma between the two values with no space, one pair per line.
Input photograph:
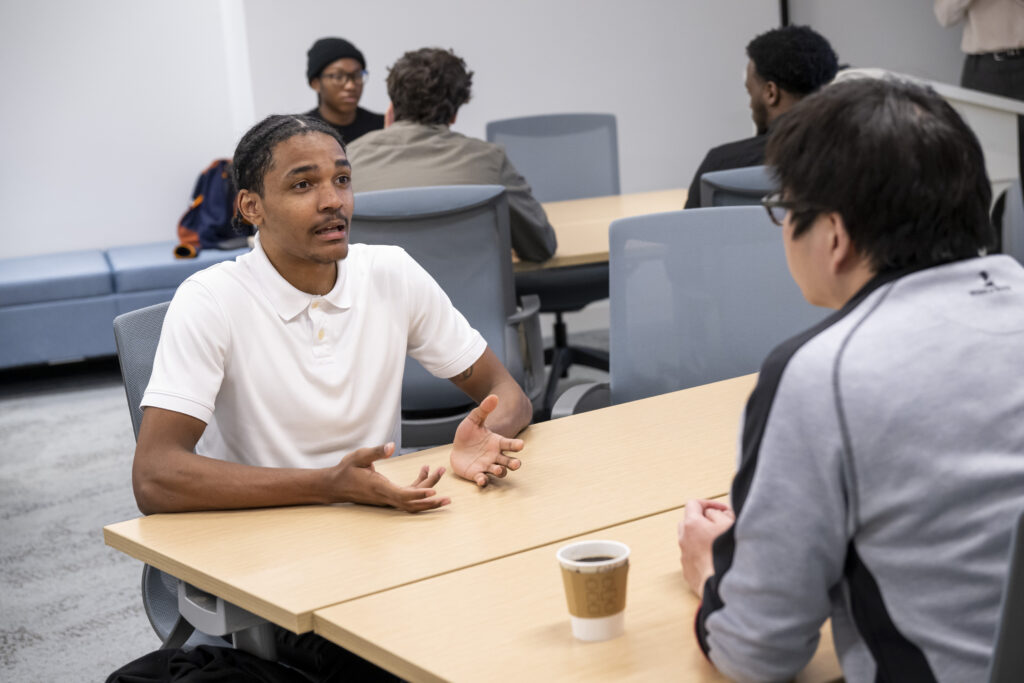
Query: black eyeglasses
[340,78]
[777,207]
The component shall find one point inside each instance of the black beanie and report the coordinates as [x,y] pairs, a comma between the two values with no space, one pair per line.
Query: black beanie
[327,50]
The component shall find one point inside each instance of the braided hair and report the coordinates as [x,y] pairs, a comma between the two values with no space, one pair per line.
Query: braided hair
[255,151]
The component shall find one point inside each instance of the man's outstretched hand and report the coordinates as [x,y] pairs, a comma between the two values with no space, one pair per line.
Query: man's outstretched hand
[478,452]
[355,480]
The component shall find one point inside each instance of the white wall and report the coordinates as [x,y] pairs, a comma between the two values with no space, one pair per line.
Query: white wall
[670,71]
[110,108]
[899,35]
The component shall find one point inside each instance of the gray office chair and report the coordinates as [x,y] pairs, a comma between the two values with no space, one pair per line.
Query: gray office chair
[1007,664]
[564,156]
[1013,222]
[180,614]
[697,296]
[460,235]
[736,186]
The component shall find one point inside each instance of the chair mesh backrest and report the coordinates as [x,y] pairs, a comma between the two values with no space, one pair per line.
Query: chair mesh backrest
[697,296]
[1008,657]
[562,156]
[736,186]
[137,334]
[1013,222]
[460,235]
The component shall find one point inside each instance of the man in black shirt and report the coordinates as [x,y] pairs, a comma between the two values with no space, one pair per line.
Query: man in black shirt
[336,70]
[784,65]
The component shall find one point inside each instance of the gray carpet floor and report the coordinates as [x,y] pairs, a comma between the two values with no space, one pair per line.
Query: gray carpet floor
[70,607]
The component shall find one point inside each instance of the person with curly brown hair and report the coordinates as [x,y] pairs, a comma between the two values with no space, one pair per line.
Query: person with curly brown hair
[418,148]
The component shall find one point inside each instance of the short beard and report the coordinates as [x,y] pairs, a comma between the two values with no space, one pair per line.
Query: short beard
[760,117]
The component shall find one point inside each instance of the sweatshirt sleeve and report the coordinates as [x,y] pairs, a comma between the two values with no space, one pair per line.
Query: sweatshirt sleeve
[776,567]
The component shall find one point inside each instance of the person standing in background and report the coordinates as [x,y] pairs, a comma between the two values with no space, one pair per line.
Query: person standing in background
[336,70]
[994,43]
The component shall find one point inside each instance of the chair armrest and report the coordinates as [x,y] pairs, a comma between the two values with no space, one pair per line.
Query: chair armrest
[529,306]
[582,398]
[523,334]
[211,614]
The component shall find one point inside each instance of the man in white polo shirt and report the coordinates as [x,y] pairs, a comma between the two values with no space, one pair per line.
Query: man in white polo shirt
[277,380]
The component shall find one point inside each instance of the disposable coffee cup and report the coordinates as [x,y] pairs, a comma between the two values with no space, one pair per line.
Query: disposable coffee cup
[594,574]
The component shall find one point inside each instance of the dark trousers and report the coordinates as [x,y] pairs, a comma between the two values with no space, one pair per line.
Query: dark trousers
[305,658]
[1000,77]
[323,661]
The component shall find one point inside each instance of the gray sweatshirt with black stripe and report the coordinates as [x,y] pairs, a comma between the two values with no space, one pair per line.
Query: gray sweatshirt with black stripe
[882,469]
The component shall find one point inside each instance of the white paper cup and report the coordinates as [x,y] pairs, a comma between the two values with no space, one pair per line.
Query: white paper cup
[594,575]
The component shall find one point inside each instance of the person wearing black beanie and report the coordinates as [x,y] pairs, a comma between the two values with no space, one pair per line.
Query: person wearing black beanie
[336,69]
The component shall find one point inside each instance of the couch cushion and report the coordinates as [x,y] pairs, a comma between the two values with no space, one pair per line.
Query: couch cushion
[54,277]
[57,331]
[143,267]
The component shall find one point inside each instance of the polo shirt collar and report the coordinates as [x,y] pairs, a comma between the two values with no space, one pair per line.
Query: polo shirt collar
[288,301]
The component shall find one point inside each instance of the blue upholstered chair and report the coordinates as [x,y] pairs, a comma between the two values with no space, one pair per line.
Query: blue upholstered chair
[564,156]
[147,274]
[460,235]
[697,296]
[55,307]
[59,307]
[736,186]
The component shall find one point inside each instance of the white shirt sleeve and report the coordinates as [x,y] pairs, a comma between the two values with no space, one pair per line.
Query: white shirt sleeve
[950,12]
[189,364]
[440,337]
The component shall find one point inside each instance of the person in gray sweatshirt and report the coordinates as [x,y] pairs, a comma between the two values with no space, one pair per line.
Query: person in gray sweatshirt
[882,452]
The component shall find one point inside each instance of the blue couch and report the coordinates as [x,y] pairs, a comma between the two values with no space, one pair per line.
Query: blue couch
[60,307]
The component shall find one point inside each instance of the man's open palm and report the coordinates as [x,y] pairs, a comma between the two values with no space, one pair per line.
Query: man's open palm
[478,452]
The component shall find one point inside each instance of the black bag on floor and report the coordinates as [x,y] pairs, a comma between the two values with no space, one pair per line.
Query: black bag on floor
[204,664]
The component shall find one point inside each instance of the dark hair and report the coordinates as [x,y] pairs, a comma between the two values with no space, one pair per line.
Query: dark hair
[429,85]
[896,162]
[255,150]
[796,58]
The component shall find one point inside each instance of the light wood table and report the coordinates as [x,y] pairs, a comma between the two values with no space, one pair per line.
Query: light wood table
[580,473]
[582,224]
[507,620]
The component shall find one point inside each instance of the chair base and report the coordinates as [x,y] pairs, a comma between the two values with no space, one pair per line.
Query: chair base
[580,355]
[561,358]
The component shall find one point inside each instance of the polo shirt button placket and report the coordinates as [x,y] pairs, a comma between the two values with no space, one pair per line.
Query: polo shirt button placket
[317,317]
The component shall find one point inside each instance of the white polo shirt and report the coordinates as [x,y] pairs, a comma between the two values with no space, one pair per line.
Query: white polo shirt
[288,379]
